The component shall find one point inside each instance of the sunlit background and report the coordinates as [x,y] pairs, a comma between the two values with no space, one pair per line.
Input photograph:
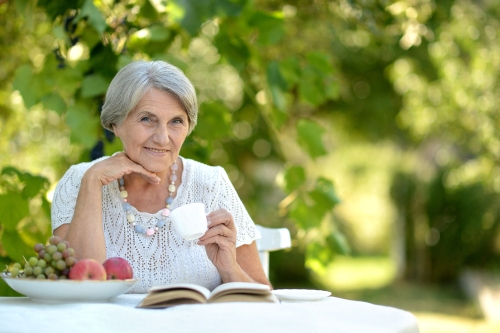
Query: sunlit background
[368,128]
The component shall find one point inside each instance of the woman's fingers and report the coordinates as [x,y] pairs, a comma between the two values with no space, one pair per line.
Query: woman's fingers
[220,241]
[217,231]
[220,216]
[137,168]
[119,165]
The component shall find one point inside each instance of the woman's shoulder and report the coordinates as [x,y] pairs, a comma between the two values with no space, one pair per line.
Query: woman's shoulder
[198,167]
[198,171]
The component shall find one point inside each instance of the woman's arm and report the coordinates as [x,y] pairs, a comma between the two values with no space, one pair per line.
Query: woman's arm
[248,259]
[240,264]
[85,232]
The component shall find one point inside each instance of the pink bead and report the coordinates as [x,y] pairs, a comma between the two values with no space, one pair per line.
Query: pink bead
[165,212]
[156,228]
[124,200]
[150,232]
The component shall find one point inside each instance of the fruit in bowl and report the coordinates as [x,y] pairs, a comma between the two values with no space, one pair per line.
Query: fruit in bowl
[52,261]
[118,269]
[57,261]
[87,269]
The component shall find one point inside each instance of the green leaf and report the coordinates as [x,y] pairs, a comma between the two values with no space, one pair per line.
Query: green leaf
[339,243]
[193,13]
[9,170]
[214,121]
[332,88]
[310,137]
[271,27]
[233,49]
[22,6]
[54,102]
[94,85]
[59,32]
[68,79]
[139,38]
[290,70]
[91,37]
[311,89]
[318,256]
[46,206]
[22,80]
[104,54]
[16,249]
[324,193]
[33,185]
[183,66]
[159,33]
[279,117]
[57,8]
[151,40]
[13,208]
[295,177]
[321,62]
[123,60]
[84,125]
[93,15]
[33,233]
[274,77]
[230,7]
[304,215]
[149,11]
[277,85]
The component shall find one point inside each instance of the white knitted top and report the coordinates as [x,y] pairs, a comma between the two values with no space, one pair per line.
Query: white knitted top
[164,257]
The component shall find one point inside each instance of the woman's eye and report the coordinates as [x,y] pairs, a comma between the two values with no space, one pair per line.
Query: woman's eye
[146,119]
[177,121]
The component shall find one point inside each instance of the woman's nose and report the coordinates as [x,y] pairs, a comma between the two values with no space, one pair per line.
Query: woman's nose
[161,135]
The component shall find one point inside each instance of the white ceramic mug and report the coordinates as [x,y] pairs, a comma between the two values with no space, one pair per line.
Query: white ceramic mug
[190,221]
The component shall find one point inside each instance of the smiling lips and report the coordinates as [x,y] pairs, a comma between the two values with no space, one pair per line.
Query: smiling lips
[156,150]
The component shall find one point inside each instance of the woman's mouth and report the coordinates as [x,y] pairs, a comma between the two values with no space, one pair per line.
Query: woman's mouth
[157,150]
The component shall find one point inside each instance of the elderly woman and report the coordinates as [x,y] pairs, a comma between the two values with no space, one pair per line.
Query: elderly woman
[119,205]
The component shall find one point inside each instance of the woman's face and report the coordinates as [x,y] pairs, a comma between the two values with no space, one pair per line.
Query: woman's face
[154,131]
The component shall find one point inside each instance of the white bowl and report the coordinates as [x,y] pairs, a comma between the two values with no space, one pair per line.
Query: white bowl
[59,291]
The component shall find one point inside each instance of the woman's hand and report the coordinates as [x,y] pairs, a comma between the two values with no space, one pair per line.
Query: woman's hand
[117,166]
[220,242]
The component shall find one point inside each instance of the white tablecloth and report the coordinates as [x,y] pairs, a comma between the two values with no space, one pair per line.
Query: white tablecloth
[332,314]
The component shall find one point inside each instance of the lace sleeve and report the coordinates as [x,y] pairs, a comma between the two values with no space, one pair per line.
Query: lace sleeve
[65,195]
[229,199]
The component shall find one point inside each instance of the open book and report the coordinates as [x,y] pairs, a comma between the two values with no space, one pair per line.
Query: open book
[187,293]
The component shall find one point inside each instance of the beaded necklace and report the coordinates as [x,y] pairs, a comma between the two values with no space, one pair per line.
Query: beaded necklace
[150,230]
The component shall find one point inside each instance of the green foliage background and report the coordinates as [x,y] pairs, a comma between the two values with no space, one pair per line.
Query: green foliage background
[288,91]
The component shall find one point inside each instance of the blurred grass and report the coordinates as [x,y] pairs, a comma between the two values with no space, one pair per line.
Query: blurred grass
[439,309]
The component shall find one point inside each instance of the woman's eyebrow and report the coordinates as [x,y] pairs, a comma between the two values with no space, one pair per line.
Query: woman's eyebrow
[146,113]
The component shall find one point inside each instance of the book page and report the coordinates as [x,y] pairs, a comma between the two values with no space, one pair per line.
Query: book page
[202,290]
[241,287]
[268,298]
[177,296]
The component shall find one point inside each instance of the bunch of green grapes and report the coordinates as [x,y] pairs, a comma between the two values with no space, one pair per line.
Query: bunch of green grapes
[52,262]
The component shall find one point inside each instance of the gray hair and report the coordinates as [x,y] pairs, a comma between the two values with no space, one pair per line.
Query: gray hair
[131,83]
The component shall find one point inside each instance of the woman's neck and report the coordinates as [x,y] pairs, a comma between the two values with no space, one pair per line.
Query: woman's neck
[147,197]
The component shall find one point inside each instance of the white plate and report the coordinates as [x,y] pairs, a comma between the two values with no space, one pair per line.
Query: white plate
[300,295]
[48,291]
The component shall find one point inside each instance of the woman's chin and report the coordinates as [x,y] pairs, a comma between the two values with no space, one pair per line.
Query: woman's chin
[156,169]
